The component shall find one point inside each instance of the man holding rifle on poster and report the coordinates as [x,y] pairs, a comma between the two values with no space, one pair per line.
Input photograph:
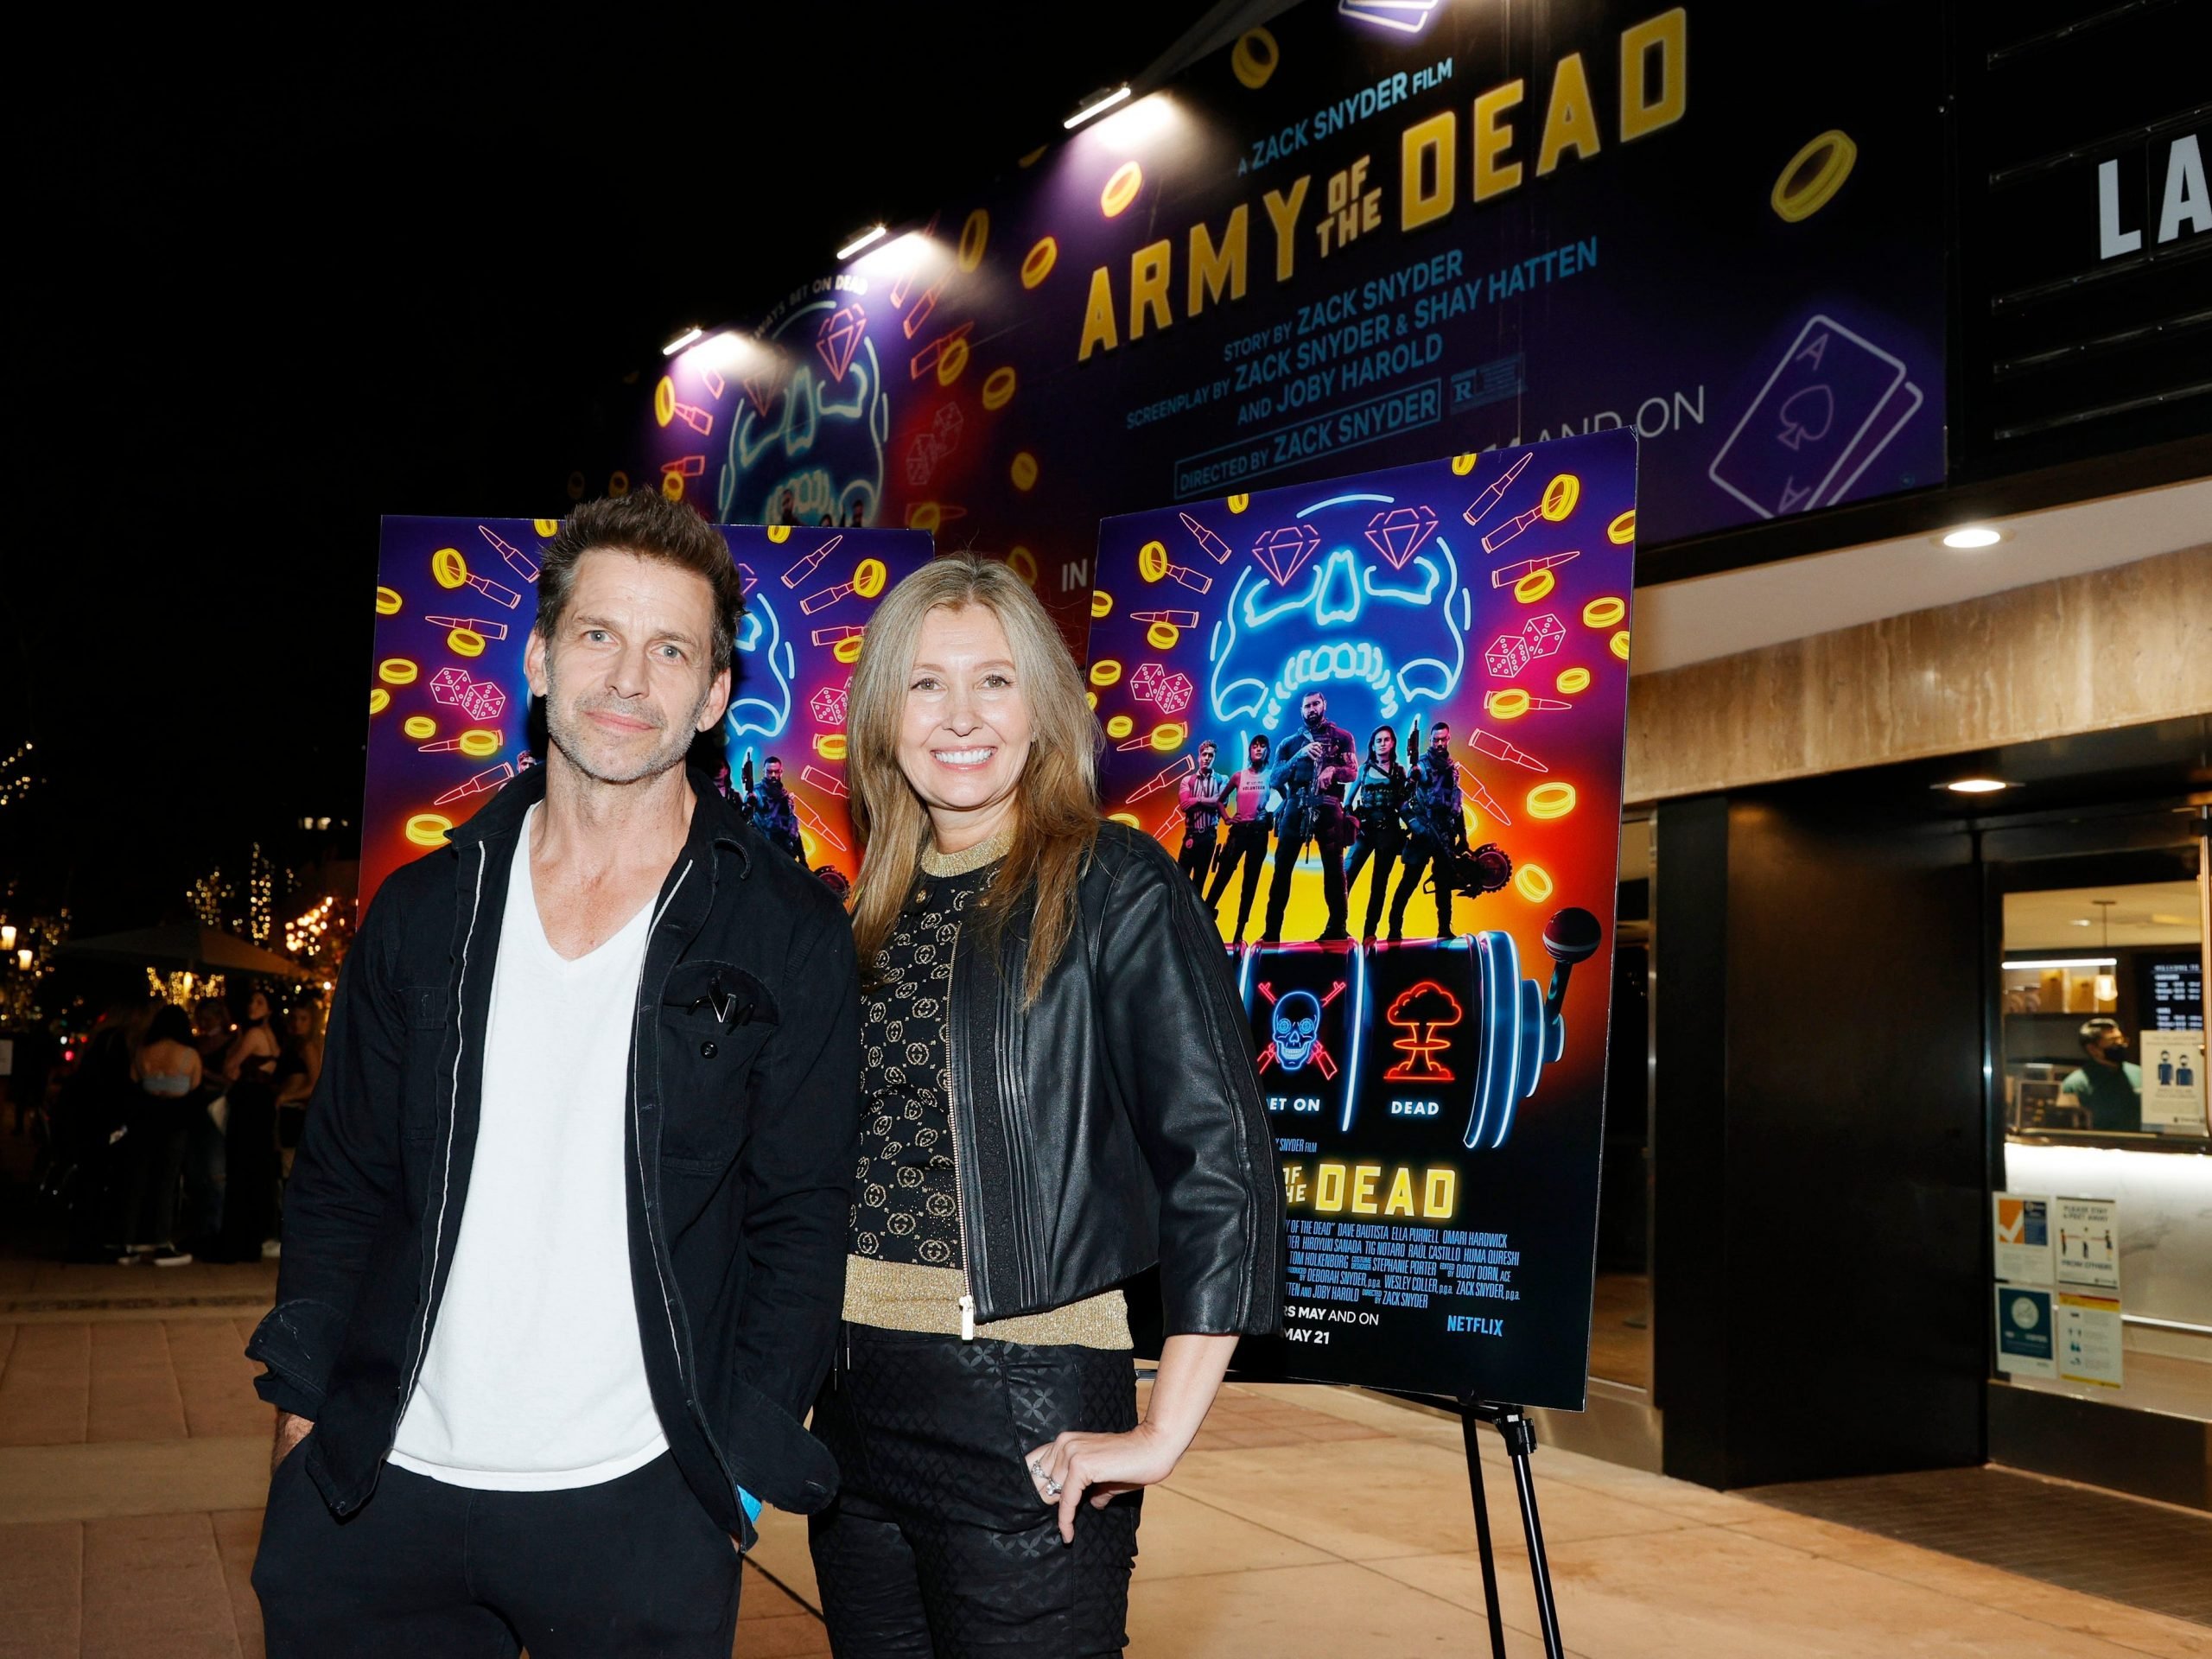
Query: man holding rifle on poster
[1312,765]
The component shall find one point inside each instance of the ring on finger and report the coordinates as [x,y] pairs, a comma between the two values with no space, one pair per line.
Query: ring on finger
[1053,1488]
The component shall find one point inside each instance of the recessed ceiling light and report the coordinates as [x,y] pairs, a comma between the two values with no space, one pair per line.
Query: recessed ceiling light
[1974,536]
[1096,104]
[860,239]
[2082,921]
[1976,785]
[686,338]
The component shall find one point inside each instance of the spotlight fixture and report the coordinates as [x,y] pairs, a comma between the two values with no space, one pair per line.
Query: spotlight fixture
[1968,537]
[1976,785]
[688,337]
[2108,984]
[860,239]
[1096,104]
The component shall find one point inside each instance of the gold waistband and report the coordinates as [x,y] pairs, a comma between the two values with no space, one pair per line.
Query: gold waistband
[898,1296]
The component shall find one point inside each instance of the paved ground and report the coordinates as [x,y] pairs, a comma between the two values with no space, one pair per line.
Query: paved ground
[134,1458]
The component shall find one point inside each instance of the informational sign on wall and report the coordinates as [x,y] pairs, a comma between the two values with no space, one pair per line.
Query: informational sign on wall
[2026,1332]
[1358,237]
[2087,1232]
[1379,720]
[2089,1339]
[2024,1238]
[2173,1082]
[449,706]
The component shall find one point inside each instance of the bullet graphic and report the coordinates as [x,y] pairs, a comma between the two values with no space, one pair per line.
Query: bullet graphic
[1479,508]
[518,561]
[491,778]
[1205,538]
[1506,575]
[1497,748]
[805,567]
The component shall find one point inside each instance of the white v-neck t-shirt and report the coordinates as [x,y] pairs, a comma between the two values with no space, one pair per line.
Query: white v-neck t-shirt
[535,1380]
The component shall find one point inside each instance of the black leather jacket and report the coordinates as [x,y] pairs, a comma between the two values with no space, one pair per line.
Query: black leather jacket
[1117,1122]
[741,1121]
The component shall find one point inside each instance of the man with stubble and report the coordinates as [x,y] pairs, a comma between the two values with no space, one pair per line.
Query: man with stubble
[564,1244]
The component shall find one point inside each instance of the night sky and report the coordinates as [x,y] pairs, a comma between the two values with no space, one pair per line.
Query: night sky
[261,303]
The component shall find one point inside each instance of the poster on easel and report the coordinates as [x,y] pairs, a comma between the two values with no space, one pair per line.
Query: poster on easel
[449,707]
[1378,720]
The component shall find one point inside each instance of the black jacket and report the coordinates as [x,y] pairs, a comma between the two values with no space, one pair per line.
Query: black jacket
[742,1130]
[1117,1122]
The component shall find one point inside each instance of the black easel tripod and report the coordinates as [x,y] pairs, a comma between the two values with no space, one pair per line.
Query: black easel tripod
[1520,1437]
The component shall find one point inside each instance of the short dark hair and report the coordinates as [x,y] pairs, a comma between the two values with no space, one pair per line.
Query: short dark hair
[170,1025]
[774,761]
[650,526]
[2093,1030]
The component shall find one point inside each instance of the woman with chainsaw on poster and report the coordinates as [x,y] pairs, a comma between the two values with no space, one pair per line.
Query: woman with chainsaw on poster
[1057,1094]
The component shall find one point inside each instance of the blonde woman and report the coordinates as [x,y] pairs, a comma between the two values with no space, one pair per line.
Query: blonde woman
[1057,1093]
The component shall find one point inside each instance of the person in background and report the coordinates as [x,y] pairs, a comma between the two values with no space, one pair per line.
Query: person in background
[856,518]
[1057,1093]
[2109,1086]
[1244,810]
[166,1070]
[250,1134]
[564,1241]
[92,1117]
[204,1151]
[1199,797]
[1378,801]
[298,1069]
[1436,820]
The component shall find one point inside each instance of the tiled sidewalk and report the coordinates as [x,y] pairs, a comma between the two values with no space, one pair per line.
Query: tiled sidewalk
[133,1456]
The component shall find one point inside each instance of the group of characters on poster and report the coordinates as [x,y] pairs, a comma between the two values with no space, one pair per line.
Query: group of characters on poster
[1311,787]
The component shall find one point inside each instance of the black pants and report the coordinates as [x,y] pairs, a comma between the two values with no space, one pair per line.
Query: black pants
[1248,846]
[1333,883]
[633,1565]
[1196,860]
[1385,850]
[1422,854]
[153,1164]
[249,1171]
[938,1544]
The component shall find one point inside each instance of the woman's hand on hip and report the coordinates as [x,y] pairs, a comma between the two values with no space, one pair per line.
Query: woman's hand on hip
[1100,1465]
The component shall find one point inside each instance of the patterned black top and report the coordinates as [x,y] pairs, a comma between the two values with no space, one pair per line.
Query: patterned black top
[906,1208]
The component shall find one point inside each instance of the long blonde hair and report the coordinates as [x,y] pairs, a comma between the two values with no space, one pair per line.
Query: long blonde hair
[1056,802]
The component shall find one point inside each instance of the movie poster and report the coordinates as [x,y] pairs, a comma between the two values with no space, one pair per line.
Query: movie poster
[1378,720]
[448,707]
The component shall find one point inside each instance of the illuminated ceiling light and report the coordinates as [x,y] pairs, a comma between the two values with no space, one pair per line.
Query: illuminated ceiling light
[1976,785]
[1096,104]
[860,239]
[1967,537]
[2107,986]
[693,333]
[2064,962]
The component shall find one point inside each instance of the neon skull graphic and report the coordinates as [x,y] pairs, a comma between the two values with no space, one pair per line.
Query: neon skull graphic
[1391,615]
[1297,1028]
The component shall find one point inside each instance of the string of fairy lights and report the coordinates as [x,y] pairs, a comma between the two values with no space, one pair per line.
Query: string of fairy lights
[16,779]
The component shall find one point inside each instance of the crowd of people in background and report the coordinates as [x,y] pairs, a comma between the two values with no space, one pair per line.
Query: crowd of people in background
[170,1134]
